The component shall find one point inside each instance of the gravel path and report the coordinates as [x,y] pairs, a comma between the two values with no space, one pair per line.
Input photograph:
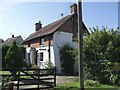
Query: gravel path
[64,79]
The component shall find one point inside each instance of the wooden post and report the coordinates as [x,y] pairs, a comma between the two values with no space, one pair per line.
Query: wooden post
[80,45]
[18,79]
[55,76]
[38,78]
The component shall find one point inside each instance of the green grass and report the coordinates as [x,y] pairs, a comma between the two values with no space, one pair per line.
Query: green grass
[5,72]
[89,85]
[9,73]
[74,85]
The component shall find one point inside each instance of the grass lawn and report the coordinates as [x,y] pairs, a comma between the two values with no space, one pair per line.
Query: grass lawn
[9,73]
[89,85]
[5,72]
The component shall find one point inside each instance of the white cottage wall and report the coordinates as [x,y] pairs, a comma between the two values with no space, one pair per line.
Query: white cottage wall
[26,55]
[44,50]
[60,39]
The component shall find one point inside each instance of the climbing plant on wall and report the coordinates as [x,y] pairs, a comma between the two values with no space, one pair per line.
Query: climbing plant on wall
[67,58]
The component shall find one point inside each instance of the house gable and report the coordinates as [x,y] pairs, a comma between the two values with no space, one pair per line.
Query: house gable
[71,26]
[47,41]
[67,24]
[17,39]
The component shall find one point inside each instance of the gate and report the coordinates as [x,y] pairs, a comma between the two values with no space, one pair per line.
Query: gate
[30,78]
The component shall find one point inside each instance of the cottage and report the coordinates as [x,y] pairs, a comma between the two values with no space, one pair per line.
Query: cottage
[17,39]
[44,44]
[1,41]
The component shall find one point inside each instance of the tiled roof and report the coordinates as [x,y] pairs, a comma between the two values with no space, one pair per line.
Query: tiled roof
[9,41]
[50,28]
[1,40]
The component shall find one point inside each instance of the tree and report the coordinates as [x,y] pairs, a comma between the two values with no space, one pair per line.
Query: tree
[4,51]
[23,49]
[102,56]
[14,57]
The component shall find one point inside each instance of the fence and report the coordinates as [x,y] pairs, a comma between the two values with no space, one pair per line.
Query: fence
[32,78]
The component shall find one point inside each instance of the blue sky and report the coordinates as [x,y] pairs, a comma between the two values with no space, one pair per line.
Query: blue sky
[19,18]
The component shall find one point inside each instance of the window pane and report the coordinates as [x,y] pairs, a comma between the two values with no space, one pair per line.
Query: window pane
[41,56]
[28,56]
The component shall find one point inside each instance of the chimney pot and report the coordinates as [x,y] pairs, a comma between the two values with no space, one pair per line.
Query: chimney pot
[12,36]
[38,26]
[73,8]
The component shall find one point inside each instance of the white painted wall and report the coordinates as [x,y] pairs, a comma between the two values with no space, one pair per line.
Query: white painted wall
[26,54]
[60,39]
[45,55]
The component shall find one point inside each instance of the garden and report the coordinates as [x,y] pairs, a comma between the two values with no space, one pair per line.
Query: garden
[101,58]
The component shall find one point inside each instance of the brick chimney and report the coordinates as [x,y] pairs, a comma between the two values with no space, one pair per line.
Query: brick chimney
[38,26]
[73,8]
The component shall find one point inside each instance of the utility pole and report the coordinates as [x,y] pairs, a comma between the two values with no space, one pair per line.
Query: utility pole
[80,45]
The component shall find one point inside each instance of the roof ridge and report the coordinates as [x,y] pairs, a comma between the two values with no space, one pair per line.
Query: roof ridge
[53,22]
[50,28]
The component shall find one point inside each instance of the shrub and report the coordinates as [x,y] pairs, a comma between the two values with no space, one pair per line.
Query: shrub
[14,57]
[92,83]
[35,67]
[49,65]
[23,50]
[4,51]
[67,58]
[101,52]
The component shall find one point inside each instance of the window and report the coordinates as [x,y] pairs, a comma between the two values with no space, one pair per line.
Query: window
[41,56]
[29,44]
[28,56]
[42,41]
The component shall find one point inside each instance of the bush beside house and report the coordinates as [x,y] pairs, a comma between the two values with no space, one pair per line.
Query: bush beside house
[14,57]
[7,51]
[102,56]
[4,51]
[67,57]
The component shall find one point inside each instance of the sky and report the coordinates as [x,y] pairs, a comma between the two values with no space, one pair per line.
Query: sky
[19,18]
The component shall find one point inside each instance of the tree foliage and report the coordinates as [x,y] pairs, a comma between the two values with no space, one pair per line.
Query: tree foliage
[4,51]
[14,57]
[23,49]
[102,56]
[67,58]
